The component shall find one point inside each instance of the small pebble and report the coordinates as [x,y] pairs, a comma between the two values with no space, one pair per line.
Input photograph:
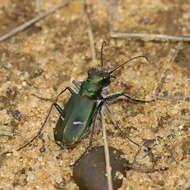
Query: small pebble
[90,174]
[146,20]
[16,114]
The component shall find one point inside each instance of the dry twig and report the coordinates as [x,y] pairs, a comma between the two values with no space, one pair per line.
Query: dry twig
[107,156]
[33,21]
[90,33]
[170,59]
[150,37]
[113,15]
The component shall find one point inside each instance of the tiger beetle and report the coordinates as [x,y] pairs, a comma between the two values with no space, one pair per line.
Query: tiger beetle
[79,113]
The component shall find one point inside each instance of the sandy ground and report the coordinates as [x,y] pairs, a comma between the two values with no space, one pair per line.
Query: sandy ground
[46,57]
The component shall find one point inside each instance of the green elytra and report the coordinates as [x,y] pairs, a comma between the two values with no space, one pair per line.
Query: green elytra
[78,113]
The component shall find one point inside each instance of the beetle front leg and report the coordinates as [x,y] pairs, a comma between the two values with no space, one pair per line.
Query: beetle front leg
[116,95]
[77,83]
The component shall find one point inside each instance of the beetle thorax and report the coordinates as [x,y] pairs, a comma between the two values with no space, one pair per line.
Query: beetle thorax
[96,81]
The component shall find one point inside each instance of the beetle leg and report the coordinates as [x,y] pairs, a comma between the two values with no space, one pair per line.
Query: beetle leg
[146,170]
[77,83]
[115,124]
[45,99]
[59,109]
[116,95]
[138,99]
[54,99]
[67,88]
[43,124]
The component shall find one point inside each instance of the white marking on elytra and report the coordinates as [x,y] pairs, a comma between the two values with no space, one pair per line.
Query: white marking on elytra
[77,123]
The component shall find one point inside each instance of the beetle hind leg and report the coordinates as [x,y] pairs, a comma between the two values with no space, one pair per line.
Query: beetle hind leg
[115,124]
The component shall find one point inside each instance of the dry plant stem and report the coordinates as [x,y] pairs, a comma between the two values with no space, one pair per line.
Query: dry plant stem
[112,12]
[174,52]
[150,37]
[161,84]
[34,20]
[107,156]
[90,33]
[170,60]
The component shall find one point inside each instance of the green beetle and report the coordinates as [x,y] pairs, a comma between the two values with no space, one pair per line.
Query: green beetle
[80,111]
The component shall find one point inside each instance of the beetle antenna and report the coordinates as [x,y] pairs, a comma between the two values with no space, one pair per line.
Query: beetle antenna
[129,60]
[102,48]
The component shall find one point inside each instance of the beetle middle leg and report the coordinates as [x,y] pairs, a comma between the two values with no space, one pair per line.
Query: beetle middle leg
[116,95]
